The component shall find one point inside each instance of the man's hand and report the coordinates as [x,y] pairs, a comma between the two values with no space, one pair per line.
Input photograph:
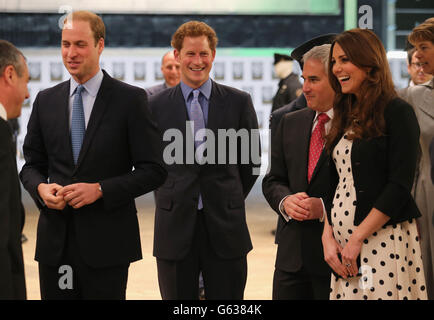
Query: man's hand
[294,207]
[314,207]
[80,194]
[49,194]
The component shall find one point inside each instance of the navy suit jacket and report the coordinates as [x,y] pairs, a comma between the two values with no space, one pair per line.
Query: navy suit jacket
[223,187]
[120,135]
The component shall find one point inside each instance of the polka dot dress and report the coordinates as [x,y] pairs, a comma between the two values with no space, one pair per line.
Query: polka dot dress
[391,263]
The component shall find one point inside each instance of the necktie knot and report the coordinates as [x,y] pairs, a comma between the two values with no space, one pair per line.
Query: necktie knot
[79,89]
[196,94]
[323,118]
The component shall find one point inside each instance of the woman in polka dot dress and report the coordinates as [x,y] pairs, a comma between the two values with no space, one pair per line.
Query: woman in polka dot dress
[370,236]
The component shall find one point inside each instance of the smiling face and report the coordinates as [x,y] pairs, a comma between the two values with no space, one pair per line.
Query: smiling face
[425,54]
[415,70]
[316,87]
[350,76]
[80,54]
[195,58]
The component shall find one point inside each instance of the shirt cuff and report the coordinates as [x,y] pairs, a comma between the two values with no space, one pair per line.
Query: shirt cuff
[282,210]
[323,211]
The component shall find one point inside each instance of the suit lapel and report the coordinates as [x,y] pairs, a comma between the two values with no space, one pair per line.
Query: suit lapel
[98,110]
[216,114]
[63,116]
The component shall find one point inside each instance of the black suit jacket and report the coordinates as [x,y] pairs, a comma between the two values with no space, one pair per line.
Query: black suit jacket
[223,186]
[12,281]
[299,243]
[384,167]
[120,135]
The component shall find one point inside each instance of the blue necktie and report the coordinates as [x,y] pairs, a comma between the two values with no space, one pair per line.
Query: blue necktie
[196,115]
[78,125]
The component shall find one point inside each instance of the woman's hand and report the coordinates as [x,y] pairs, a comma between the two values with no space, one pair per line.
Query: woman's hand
[332,249]
[350,253]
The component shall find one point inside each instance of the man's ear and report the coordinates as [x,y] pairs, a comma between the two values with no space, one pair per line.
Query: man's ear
[9,74]
[176,54]
[101,45]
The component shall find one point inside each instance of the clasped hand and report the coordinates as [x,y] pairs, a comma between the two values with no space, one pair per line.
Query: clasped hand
[301,207]
[76,195]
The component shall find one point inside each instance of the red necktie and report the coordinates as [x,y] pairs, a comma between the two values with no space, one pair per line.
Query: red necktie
[316,143]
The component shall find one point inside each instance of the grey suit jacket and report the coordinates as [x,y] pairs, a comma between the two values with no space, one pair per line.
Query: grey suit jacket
[421,97]
[155,89]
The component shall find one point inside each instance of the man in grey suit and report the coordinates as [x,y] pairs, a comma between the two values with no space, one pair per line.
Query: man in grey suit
[170,69]
[200,219]
[14,76]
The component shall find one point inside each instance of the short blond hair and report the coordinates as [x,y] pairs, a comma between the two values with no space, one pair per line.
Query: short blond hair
[422,32]
[96,24]
[194,29]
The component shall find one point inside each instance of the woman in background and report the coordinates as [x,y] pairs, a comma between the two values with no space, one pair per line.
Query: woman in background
[370,237]
[422,99]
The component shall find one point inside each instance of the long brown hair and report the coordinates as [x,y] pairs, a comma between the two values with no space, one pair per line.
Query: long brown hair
[365,117]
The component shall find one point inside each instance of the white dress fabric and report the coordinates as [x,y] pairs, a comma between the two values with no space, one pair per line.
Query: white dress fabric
[391,263]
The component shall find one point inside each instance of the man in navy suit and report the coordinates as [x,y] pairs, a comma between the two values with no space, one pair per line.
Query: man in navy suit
[14,76]
[296,184]
[90,149]
[200,222]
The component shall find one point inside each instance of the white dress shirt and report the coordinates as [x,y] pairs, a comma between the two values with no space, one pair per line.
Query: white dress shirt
[3,113]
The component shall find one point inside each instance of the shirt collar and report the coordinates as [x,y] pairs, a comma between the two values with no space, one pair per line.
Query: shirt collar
[205,89]
[329,113]
[3,113]
[92,85]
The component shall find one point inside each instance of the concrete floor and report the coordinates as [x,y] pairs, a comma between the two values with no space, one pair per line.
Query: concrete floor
[142,281]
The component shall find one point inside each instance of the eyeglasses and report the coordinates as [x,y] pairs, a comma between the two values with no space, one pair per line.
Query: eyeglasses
[417,65]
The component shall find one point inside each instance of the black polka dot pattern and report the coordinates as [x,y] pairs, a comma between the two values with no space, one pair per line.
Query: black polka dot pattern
[391,258]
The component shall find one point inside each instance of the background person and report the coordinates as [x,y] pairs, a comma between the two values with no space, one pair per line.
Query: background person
[415,69]
[171,73]
[421,97]
[289,84]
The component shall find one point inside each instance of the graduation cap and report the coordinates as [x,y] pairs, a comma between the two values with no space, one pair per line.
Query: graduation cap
[299,52]
[279,57]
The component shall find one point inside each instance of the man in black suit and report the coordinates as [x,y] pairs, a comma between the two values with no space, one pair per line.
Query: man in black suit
[84,138]
[200,222]
[14,76]
[297,181]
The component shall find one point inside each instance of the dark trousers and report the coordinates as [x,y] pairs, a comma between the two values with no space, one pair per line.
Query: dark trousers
[86,283]
[300,286]
[223,278]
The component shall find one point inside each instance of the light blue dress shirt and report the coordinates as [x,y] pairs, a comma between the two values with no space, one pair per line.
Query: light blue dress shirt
[88,95]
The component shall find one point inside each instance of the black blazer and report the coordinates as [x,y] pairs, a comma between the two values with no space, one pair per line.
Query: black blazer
[223,186]
[299,243]
[12,281]
[120,135]
[384,167]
